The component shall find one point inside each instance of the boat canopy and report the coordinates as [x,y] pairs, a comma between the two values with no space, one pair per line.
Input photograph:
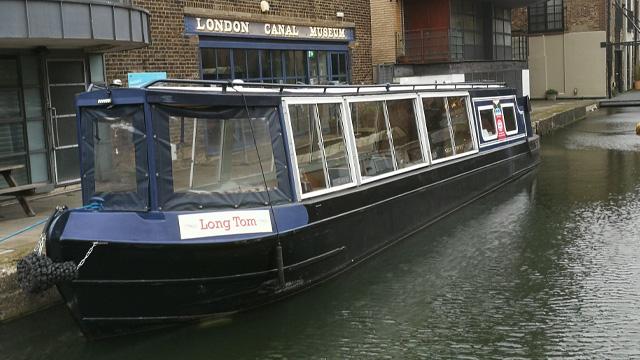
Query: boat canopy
[186,148]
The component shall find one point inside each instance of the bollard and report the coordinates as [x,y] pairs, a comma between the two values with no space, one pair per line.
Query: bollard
[638,129]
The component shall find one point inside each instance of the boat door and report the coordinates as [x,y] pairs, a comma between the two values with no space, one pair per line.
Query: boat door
[66,78]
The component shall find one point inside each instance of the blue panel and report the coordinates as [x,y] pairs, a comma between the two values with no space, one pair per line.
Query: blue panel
[245,43]
[160,228]
[137,80]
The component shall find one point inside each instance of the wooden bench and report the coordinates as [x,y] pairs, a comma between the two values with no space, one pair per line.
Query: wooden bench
[19,191]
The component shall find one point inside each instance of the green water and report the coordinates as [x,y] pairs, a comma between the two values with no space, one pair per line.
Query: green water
[548,266]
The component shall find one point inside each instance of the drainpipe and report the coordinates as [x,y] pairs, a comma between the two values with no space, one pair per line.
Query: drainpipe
[608,49]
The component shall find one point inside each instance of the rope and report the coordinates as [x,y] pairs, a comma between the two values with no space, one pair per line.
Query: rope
[94,205]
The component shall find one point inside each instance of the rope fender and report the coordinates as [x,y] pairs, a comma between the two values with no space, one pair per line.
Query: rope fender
[37,272]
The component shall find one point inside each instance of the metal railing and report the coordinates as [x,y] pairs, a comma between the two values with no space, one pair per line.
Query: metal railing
[520,47]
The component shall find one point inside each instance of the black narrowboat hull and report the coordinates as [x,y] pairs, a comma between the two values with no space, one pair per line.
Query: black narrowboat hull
[127,287]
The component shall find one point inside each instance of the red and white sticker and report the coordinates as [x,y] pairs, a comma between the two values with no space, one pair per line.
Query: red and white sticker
[502,134]
[193,226]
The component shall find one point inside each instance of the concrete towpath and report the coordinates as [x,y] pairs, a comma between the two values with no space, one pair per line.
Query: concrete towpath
[13,303]
[629,98]
[547,116]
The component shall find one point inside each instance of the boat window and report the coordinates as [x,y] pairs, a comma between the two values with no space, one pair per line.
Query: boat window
[435,113]
[372,138]
[218,157]
[460,124]
[321,152]
[404,132]
[114,157]
[311,169]
[487,123]
[335,148]
[510,123]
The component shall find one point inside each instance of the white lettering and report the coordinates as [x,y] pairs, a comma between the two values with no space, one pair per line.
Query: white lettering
[219,26]
[313,32]
[227,26]
[200,26]
[267,29]
[245,27]
[236,26]
[209,24]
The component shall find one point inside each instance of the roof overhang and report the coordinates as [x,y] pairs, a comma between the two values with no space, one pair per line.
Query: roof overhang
[94,26]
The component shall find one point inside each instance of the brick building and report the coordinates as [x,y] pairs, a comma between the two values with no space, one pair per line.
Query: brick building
[418,41]
[565,51]
[306,41]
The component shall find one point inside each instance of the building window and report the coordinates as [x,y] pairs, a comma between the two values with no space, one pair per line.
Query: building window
[547,16]
[314,67]
[502,34]
[467,40]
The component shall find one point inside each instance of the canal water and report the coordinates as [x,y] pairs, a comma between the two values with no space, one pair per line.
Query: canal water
[547,266]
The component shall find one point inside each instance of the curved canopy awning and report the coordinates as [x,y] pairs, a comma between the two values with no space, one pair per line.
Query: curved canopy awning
[95,26]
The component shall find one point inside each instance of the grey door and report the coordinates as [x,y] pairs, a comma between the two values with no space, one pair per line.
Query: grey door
[66,79]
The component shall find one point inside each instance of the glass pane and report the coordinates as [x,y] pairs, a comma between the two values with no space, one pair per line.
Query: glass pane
[308,147]
[19,175]
[67,164]
[11,138]
[301,65]
[225,155]
[63,98]
[65,72]
[276,57]
[509,118]
[114,141]
[290,61]
[266,64]
[65,131]
[208,61]
[404,132]
[30,70]
[9,104]
[335,150]
[322,62]
[313,67]
[372,141]
[437,127]
[239,64]
[460,123]
[39,168]
[487,124]
[8,72]
[223,64]
[35,133]
[253,66]
[96,67]
[33,103]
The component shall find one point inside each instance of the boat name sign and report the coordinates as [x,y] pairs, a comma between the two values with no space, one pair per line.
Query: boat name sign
[201,225]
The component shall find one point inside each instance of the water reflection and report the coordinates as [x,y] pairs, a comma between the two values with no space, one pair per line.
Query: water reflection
[545,267]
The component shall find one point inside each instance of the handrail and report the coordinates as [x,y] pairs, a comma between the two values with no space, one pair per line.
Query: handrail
[225,85]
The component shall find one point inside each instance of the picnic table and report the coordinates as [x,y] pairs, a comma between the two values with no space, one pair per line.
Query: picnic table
[19,191]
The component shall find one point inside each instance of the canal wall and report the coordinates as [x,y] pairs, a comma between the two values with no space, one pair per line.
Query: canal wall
[15,303]
[548,116]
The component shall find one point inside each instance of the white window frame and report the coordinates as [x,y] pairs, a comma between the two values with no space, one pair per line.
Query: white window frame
[515,115]
[495,126]
[293,157]
[372,98]
[472,127]
[508,99]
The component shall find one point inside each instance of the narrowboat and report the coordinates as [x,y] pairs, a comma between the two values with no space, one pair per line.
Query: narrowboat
[207,198]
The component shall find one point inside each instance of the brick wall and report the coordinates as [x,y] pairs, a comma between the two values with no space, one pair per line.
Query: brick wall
[579,15]
[386,20]
[177,54]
